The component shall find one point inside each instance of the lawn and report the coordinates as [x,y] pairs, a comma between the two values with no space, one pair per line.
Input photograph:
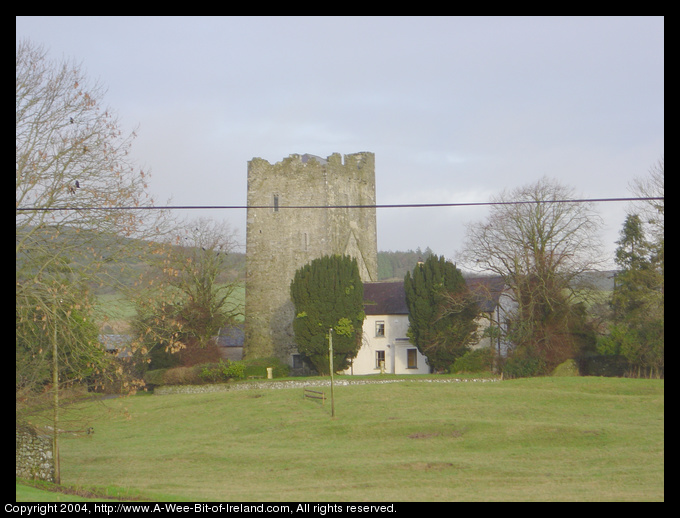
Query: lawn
[539,439]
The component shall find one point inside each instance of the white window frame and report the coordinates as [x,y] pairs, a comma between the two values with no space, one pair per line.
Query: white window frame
[379,357]
[380,329]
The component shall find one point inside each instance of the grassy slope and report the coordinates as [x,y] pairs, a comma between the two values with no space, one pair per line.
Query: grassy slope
[528,439]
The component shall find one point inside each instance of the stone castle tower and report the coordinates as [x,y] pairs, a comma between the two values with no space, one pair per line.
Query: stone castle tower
[280,240]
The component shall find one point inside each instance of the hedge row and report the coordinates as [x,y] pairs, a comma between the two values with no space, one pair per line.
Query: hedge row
[475,361]
[219,372]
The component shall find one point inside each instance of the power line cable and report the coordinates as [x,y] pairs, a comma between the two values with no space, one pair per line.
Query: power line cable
[373,206]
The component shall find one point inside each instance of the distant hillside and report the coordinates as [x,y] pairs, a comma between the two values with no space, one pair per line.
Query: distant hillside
[126,269]
[603,281]
[394,265]
[122,259]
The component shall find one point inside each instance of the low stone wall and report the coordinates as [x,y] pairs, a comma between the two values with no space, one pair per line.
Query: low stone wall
[163,390]
[221,387]
[34,455]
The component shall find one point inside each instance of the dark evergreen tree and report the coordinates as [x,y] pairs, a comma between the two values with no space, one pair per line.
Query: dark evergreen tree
[637,332]
[328,293]
[441,311]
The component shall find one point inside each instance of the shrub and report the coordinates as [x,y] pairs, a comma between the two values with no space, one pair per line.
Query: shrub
[258,367]
[221,371]
[207,373]
[162,359]
[181,376]
[211,372]
[235,370]
[566,368]
[523,367]
[479,360]
[614,365]
[154,377]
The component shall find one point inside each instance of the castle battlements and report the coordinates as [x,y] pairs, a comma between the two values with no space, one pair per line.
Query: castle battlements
[324,220]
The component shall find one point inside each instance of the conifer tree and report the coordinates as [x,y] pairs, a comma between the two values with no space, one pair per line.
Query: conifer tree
[328,293]
[441,312]
[637,331]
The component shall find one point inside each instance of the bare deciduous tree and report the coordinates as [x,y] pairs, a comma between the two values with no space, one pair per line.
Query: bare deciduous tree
[652,210]
[72,165]
[541,245]
[193,295]
[72,161]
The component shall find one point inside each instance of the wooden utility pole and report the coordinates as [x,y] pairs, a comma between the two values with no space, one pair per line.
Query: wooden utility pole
[330,361]
[55,387]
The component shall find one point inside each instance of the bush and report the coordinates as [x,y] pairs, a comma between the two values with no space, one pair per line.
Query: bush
[154,377]
[258,367]
[566,368]
[220,372]
[605,365]
[523,367]
[235,370]
[162,359]
[182,376]
[479,360]
[211,372]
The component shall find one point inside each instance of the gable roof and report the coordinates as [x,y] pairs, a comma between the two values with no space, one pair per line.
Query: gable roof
[231,336]
[487,291]
[117,344]
[389,298]
[385,298]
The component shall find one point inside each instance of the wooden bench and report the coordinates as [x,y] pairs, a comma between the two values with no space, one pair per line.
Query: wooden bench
[313,394]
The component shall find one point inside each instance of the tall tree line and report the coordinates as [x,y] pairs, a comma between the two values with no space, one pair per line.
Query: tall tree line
[636,332]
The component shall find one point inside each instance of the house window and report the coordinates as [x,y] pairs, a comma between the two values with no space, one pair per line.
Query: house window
[276,203]
[380,328]
[379,359]
[411,358]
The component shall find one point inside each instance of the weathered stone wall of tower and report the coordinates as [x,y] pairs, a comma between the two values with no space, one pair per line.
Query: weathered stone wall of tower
[280,240]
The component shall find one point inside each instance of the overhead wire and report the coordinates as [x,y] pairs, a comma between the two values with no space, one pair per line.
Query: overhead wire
[368,206]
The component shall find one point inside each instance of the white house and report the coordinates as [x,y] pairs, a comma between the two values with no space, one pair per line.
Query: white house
[386,347]
[496,308]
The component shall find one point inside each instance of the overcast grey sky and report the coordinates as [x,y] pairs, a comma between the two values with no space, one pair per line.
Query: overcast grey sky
[455,109]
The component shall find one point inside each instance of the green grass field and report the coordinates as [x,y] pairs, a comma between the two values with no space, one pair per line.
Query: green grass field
[539,439]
